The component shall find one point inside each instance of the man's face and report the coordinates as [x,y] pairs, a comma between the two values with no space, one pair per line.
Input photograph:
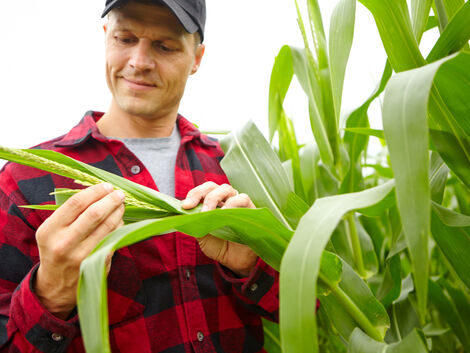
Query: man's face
[149,57]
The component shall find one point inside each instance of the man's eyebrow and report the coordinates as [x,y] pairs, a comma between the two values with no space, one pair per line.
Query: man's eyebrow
[122,29]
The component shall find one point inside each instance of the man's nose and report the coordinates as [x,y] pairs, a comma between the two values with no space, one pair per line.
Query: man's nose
[142,57]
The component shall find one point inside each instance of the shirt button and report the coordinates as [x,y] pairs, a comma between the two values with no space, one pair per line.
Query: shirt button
[254,287]
[135,169]
[188,275]
[56,337]
[200,336]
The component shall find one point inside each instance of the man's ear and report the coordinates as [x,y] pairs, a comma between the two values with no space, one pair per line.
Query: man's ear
[198,58]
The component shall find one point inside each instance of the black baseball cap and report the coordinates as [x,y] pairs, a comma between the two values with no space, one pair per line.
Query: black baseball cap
[190,13]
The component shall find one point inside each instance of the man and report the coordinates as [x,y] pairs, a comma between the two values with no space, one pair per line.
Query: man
[170,293]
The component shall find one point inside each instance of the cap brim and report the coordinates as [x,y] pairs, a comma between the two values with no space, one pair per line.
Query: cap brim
[109,7]
[186,21]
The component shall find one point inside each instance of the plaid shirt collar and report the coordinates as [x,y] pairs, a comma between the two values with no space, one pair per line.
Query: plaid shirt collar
[87,129]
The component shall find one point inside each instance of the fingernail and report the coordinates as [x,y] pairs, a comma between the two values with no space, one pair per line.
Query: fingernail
[120,194]
[204,208]
[108,187]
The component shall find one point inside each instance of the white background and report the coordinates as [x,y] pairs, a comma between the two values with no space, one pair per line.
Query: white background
[52,66]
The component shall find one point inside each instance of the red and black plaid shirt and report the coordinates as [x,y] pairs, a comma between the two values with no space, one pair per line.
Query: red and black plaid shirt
[164,294]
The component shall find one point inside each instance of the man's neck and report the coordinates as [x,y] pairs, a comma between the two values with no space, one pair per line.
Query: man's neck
[116,123]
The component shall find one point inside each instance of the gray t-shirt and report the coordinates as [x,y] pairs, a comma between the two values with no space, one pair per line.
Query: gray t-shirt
[159,157]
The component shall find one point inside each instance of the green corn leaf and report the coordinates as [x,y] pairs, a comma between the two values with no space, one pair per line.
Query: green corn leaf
[441,14]
[403,315]
[41,207]
[454,37]
[449,312]
[131,213]
[289,150]
[394,25]
[419,16]
[301,263]
[366,131]
[455,152]
[462,195]
[311,64]
[438,177]
[361,343]
[259,228]
[292,61]
[60,164]
[382,171]
[342,244]
[340,43]
[321,125]
[331,269]
[337,316]
[254,168]
[324,107]
[448,104]
[460,298]
[281,77]
[390,287]
[318,33]
[377,209]
[452,7]
[272,340]
[350,303]
[451,231]
[432,23]
[377,230]
[309,158]
[371,263]
[317,178]
[405,113]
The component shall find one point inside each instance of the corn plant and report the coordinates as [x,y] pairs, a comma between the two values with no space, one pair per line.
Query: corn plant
[386,253]
[401,232]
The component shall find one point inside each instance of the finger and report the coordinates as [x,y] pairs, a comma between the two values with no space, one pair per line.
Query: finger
[74,206]
[239,201]
[109,260]
[218,196]
[194,196]
[97,213]
[112,223]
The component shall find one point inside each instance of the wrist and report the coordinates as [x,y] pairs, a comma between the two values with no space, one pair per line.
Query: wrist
[57,301]
[246,270]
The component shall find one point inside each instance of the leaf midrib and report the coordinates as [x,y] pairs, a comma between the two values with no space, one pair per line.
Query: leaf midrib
[258,179]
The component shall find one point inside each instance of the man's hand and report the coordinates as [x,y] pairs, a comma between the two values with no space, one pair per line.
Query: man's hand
[67,237]
[237,257]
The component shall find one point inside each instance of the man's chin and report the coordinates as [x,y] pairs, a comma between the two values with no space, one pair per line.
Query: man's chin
[140,110]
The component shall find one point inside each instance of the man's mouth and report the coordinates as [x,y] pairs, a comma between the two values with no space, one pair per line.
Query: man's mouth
[138,84]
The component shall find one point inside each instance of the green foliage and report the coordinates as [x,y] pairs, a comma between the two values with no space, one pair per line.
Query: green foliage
[415,232]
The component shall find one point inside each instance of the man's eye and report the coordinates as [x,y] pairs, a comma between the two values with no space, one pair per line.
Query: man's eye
[125,40]
[164,48]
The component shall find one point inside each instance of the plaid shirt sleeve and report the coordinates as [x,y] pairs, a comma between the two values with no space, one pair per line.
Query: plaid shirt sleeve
[25,326]
[259,291]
